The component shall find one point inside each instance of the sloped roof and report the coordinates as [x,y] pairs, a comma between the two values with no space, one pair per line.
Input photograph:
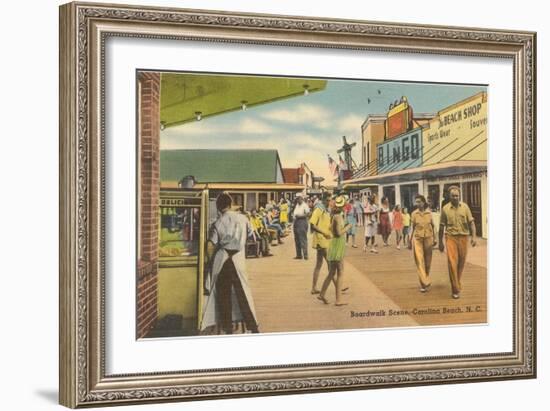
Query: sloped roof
[221,166]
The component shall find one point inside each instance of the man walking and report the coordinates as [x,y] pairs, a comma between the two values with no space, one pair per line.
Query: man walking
[300,214]
[320,227]
[457,223]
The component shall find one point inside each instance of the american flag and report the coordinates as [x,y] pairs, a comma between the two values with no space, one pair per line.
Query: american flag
[332,166]
[343,165]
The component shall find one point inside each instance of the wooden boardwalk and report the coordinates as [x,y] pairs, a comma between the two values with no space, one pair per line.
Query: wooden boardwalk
[384,291]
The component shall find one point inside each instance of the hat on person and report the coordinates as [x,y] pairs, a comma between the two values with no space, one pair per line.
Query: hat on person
[340,201]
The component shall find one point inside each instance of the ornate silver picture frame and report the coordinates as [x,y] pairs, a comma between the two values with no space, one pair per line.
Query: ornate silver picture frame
[85,30]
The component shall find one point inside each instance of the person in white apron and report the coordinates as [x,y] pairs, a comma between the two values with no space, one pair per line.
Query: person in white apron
[228,296]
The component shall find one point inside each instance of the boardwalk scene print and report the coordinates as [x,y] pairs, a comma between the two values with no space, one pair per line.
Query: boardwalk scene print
[271,204]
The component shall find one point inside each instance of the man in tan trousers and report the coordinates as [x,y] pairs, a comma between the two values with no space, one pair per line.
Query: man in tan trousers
[421,241]
[457,223]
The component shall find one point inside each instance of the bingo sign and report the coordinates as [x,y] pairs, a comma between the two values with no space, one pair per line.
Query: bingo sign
[401,152]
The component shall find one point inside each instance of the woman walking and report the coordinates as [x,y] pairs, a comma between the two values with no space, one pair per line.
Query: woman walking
[335,254]
[421,241]
[384,226]
[397,225]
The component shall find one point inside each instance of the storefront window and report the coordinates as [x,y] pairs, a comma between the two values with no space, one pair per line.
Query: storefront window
[250,201]
[179,231]
[262,199]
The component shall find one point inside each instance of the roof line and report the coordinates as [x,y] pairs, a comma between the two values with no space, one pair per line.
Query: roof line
[423,168]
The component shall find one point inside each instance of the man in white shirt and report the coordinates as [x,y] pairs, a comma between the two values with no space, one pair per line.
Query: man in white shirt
[228,298]
[300,227]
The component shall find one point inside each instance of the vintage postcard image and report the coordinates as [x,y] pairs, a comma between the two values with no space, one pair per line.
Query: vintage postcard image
[291,204]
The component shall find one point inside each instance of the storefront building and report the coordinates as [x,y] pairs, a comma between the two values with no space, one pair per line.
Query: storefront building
[459,135]
[252,177]
[430,156]
[390,142]
[373,132]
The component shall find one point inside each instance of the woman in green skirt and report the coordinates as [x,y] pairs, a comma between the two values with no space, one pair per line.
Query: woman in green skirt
[335,253]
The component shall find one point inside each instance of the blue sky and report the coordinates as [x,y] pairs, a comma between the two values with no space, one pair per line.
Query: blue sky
[307,128]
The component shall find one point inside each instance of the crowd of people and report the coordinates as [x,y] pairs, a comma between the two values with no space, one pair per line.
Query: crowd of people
[333,221]
[383,221]
[269,225]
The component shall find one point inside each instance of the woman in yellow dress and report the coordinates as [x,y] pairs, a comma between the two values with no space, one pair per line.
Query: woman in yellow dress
[283,210]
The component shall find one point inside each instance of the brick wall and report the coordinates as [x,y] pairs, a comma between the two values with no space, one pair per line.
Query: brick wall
[149,197]
[147,297]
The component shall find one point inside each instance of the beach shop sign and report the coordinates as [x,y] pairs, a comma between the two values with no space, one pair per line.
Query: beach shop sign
[458,132]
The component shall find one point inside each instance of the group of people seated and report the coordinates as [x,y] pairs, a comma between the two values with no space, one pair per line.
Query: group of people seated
[269,225]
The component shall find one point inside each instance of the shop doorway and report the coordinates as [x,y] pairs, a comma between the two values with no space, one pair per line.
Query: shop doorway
[408,192]
[433,197]
[471,195]
[389,192]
